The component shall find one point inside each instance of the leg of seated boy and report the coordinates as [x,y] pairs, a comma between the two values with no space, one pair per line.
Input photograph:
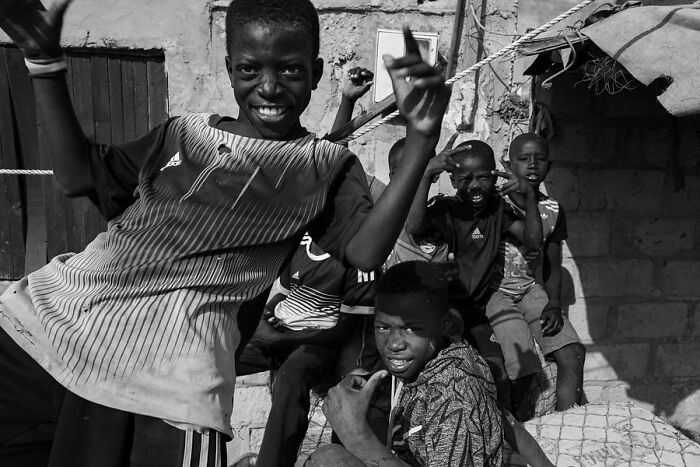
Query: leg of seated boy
[565,347]
[515,339]
[288,419]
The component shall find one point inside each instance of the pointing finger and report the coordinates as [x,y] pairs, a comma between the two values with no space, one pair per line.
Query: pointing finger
[410,41]
[451,142]
[501,174]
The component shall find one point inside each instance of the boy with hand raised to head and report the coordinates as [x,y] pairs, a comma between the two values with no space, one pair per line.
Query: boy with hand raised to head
[125,352]
[472,223]
[444,409]
[522,308]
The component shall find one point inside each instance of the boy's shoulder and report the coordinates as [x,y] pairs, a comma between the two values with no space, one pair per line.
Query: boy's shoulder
[458,362]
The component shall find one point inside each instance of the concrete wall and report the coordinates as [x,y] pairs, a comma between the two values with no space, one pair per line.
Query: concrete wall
[630,182]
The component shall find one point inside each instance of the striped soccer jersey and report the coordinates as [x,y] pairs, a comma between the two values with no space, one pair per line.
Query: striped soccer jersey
[319,287]
[144,319]
[517,265]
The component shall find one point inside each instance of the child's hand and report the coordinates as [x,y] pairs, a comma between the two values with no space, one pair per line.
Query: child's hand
[421,94]
[35,30]
[347,403]
[515,184]
[443,162]
[358,83]
[551,320]
[267,334]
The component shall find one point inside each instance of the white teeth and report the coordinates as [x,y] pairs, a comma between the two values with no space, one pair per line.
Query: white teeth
[271,111]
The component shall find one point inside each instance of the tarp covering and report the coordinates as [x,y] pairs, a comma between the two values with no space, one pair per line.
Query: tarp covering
[655,41]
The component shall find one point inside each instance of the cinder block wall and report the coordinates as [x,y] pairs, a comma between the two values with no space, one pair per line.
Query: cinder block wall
[629,179]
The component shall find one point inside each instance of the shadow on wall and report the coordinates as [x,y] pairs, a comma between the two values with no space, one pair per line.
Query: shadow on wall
[628,176]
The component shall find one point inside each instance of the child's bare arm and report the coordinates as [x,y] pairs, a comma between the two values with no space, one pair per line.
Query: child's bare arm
[551,319]
[528,231]
[37,33]
[358,82]
[422,98]
[417,221]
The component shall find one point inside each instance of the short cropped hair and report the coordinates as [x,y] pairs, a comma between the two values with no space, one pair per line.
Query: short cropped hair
[521,139]
[476,148]
[295,14]
[413,277]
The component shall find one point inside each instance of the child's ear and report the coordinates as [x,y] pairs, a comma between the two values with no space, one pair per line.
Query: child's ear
[229,69]
[316,72]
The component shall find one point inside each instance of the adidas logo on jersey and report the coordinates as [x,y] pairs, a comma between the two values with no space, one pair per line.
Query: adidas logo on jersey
[365,276]
[173,162]
[295,275]
[477,235]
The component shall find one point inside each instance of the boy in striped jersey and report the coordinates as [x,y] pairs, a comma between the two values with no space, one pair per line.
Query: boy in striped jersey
[522,308]
[322,304]
[125,352]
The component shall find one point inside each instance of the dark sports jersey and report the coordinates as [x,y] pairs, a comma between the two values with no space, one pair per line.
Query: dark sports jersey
[202,221]
[319,287]
[474,239]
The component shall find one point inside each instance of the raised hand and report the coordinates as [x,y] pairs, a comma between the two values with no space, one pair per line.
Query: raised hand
[36,30]
[443,162]
[514,184]
[358,83]
[347,403]
[421,94]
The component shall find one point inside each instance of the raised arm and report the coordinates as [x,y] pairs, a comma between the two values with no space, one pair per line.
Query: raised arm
[528,231]
[417,221]
[422,99]
[358,82]
[37,32]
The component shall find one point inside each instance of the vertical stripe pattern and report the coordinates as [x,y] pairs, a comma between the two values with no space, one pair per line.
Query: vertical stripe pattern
[144,319]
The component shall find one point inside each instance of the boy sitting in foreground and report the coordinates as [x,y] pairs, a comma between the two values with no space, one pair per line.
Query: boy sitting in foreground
[444,410]
[472,223]
[521,308]
[125,352]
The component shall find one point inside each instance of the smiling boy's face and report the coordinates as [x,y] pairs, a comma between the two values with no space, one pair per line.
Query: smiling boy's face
[473,180]
[272,71]
[409,330]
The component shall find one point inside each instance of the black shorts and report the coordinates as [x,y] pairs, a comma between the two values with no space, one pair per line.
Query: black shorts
[42,423]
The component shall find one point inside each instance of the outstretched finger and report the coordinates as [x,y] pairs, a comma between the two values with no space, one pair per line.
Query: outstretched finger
[59,7]
[410,41]
[451,142]
[502,174]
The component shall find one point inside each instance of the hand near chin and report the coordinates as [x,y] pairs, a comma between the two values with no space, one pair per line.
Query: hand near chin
[347,403]
[514,184]
[36,30]
[421,93]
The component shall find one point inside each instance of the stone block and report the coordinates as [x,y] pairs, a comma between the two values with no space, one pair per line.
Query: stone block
[589,321]
[250,406]
[647,320]
[655,236]
[623,191]
[685,201]
[608,277]
[681,359]
[257,379]
[584,141]
[614,362]
[680,278]
[588,236]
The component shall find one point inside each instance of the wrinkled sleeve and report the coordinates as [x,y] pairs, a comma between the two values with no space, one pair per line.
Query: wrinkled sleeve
[115,170]
[464,427]
[348,204]
[438,216]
